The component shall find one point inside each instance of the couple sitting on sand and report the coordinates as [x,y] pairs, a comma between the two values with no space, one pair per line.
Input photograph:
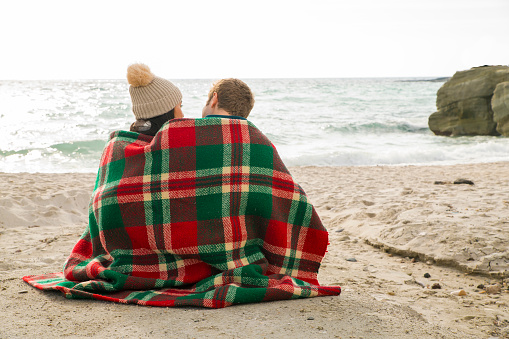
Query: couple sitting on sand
[197,212]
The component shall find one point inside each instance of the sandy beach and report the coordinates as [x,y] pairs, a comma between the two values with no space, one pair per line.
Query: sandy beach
[417,256]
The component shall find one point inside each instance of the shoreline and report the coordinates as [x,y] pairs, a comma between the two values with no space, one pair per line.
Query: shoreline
[417,230]
[431,164]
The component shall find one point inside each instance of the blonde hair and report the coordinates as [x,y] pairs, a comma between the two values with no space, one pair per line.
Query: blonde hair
[234,96]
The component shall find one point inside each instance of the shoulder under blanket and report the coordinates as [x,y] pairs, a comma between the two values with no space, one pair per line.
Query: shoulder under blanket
[203,214]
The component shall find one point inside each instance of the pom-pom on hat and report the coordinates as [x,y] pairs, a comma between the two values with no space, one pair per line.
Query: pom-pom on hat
[151,96]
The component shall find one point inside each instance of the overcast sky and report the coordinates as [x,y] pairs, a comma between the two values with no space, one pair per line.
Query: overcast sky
[250,39]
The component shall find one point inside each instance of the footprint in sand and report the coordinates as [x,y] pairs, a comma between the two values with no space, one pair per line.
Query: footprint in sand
[52,211]
[368,203]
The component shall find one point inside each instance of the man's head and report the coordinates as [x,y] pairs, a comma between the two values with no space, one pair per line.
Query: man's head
[231,97]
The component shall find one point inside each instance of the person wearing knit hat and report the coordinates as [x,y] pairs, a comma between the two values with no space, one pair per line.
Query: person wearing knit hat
[155,100]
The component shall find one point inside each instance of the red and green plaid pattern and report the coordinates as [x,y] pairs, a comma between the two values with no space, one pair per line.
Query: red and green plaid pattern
[203,214]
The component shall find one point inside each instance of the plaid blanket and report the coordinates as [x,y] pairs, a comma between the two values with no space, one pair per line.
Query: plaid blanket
[203,214]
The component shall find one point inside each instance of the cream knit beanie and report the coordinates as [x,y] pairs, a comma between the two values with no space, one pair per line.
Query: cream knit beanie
[151,96]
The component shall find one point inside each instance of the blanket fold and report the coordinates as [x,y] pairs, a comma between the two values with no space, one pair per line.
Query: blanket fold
[203,214]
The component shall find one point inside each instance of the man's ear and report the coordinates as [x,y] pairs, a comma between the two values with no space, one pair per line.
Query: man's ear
[213,100]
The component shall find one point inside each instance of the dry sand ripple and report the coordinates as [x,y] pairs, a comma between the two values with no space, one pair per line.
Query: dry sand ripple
[403,211]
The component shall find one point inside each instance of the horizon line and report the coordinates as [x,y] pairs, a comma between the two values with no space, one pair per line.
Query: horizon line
[247,78]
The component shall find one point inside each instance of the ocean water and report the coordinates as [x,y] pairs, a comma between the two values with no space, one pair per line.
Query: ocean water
[62,126]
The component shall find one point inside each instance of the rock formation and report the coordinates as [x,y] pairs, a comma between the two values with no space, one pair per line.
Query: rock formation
[473,102]
[500,106]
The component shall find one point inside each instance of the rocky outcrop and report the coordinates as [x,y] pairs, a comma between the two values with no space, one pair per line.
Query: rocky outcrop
[465,105]
[500,106]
